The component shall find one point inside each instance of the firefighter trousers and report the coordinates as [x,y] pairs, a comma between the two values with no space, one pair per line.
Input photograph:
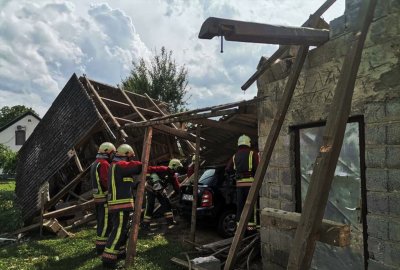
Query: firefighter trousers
[165,206]
[241,193]
[103,226]
[115,246]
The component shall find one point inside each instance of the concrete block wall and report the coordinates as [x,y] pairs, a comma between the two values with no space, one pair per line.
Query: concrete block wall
[376,98]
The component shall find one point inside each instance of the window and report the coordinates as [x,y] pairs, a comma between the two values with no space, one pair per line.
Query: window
[347,196]
[20,137]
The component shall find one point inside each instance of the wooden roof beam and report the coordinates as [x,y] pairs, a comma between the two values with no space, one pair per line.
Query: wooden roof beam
[228,127]
[283,49]
[243,31]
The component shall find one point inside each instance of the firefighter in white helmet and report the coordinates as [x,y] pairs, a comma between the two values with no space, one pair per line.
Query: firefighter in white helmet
[244,164]
[156,184]
[99,178]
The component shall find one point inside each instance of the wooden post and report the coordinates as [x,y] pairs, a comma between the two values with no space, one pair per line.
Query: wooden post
[132,240]
[266,156]
[195,186]
[321,179]
[41,213]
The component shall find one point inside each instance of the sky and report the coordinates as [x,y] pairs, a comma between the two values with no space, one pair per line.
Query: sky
[43,42]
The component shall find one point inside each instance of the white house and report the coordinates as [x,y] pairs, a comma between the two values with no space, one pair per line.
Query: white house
[16,132]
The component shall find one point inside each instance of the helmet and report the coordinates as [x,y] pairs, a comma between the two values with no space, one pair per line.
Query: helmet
[244,140]
[106,148]
[193,158]
[174,164]
[125,150]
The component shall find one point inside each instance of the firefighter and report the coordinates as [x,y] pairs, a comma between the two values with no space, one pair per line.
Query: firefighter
[244,164]
[99,176]
[156,184]
[120,202]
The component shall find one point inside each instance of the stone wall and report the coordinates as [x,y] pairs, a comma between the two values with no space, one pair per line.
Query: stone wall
[376,98]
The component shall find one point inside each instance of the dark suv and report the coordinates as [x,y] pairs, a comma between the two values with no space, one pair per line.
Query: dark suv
[216,200]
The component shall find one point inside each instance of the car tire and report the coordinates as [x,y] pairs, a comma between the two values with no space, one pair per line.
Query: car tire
[227,223]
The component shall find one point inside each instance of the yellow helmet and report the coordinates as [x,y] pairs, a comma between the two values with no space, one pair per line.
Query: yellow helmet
[244,140]
[106,148]
[125,150]
[174,164]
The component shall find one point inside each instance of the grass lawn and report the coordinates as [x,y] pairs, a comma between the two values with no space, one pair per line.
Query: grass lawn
[50,252]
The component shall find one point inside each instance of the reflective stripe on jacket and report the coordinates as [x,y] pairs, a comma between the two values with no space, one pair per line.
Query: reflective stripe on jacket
[99,176]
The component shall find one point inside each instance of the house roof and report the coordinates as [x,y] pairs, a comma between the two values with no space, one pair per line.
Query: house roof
[19,118]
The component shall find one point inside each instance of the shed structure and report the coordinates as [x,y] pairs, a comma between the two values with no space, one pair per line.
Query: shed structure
[86,113]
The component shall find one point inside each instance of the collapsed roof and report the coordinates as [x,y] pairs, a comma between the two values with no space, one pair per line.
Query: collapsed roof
[87,113]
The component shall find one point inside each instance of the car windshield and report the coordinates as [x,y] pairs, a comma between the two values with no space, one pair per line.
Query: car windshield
[207,177]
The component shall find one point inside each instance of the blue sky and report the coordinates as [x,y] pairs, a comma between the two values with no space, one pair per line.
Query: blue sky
[42,42]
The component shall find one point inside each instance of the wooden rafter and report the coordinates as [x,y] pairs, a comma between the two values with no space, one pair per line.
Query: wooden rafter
[227,126]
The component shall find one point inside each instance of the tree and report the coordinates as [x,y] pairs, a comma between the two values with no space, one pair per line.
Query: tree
[162,79]
[7,114]
[8,160]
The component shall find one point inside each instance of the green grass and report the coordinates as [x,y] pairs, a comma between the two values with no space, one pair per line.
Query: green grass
[77,252]
[10,214]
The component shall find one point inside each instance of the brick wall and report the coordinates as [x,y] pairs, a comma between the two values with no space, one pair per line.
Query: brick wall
[376,98]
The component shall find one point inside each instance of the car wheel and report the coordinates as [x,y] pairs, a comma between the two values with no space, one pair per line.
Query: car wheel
[227,223]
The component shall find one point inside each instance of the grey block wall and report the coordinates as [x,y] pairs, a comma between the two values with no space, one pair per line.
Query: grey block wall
[376,97]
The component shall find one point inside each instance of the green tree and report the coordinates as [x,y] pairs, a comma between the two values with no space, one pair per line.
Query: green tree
[8,159]
[162,79]
[7,114]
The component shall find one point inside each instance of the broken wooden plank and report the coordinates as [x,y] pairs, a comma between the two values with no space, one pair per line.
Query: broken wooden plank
[331,233]
[218,110]
[228,127]
[81,221]
[234,30]
[133,236]
[325,164]
[189,144]
[70,210]
[183,118]
[66,189]
[282,49]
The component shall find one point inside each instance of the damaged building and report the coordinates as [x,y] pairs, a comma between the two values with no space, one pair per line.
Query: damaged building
[366,188]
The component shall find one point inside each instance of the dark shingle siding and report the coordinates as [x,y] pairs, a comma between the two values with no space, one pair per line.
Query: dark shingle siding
[69,118]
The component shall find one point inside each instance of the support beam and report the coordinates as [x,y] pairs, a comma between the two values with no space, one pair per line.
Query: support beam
[66,189]
[176,132]
[183,118]
[283,49]
[195,186]
[190,145]
[325,164]
[218,110]
[228,127]
[242,31]
[70,210]
[331,233]
[266,156]
[132,240]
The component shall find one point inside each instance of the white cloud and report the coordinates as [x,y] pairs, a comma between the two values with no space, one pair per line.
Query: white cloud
[42,42]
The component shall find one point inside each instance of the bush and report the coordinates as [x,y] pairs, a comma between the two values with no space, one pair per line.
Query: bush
[8,160]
